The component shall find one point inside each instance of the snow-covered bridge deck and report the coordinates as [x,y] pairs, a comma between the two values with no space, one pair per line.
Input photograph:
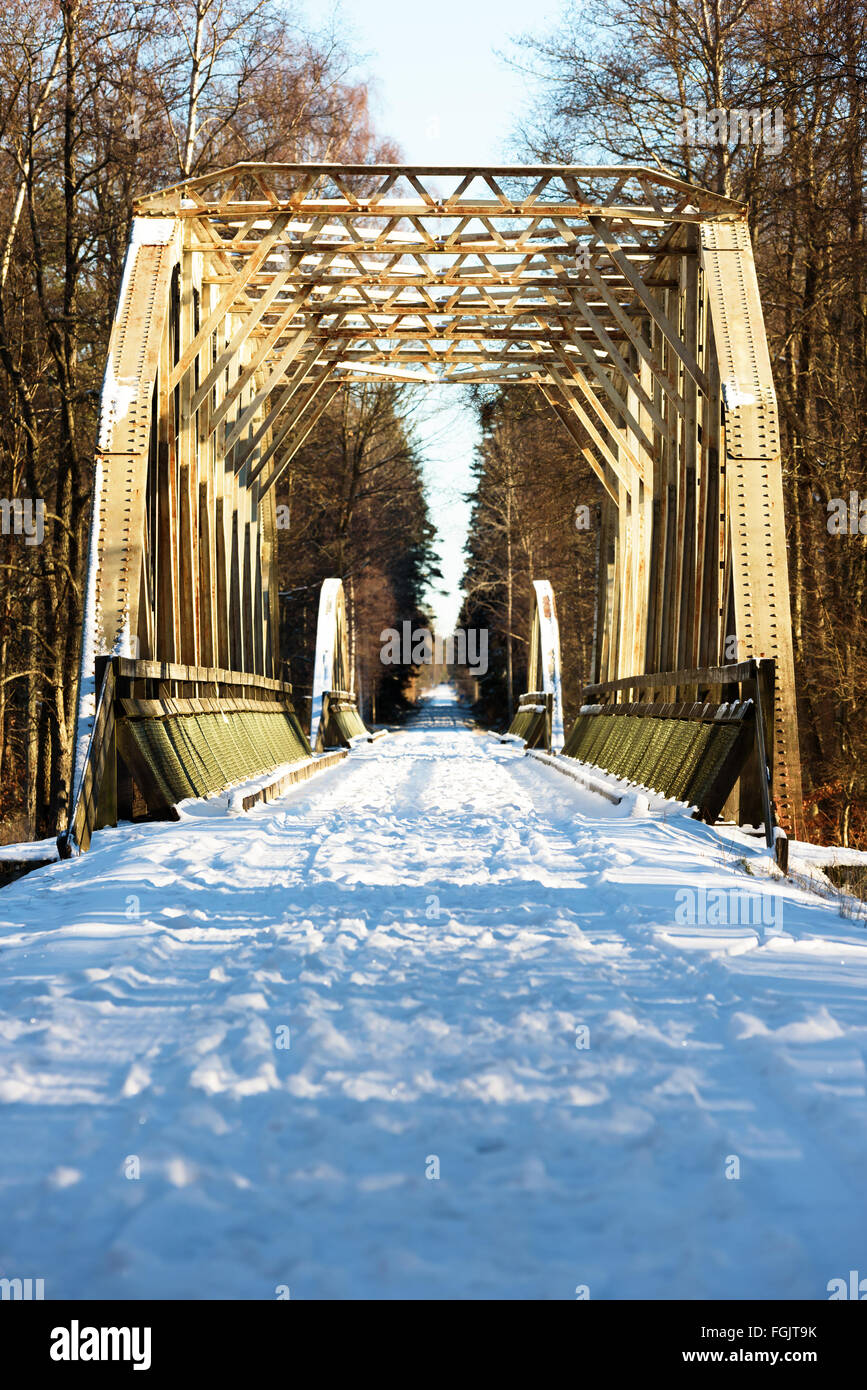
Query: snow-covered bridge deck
[435,922]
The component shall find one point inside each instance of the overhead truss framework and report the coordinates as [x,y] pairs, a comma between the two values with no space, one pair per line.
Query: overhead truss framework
[626,296]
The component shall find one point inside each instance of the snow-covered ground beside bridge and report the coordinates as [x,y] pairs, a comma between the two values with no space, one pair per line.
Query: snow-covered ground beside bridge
[442,957]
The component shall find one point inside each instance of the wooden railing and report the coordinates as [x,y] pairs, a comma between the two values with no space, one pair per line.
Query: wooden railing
[340,722]
[122,679]
[536,734]
[745,680]
[165,679]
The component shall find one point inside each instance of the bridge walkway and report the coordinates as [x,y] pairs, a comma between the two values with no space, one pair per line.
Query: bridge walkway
[438,957]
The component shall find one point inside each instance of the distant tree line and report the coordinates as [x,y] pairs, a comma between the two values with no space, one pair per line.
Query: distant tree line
[354,507]
[533,517]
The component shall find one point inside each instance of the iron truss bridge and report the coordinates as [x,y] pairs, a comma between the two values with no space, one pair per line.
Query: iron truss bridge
[252,295]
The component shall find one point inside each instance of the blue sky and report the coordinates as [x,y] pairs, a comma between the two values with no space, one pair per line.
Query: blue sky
[443,93]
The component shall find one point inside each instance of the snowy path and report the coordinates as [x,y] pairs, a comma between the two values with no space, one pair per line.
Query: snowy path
[433,922]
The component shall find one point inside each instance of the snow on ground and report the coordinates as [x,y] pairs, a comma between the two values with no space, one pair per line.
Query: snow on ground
[434,922]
